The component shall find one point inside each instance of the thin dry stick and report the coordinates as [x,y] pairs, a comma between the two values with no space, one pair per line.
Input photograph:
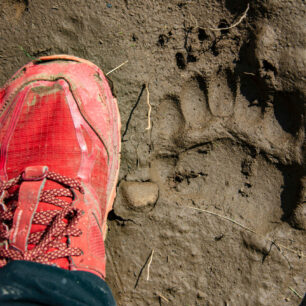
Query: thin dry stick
[280,246]
[116,67]
[162,297]
[294,291]
[149,264]
[142,269]
[234,24]
[149,106]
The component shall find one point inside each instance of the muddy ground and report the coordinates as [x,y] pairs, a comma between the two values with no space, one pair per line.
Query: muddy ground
[227,137]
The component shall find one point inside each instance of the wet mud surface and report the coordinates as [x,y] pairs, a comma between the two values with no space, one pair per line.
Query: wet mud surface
[211,200]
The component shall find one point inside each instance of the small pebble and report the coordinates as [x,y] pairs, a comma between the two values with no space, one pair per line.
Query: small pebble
[200,295]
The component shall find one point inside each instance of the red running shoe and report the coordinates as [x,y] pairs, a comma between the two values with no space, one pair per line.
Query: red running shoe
[59,163]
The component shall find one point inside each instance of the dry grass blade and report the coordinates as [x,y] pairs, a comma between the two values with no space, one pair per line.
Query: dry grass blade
[234,24]
[223,217]
[294,291]
[111,71]
[149,108]
[149,265]
[162,297]
[280,246]
[146,264]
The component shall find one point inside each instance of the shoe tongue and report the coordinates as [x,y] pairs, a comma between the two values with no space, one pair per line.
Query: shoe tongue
[30,191]
[28,197]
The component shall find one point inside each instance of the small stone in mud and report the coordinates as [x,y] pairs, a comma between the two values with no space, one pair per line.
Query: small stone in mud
[219,237]
[201,295]
[243,192]
[140,194]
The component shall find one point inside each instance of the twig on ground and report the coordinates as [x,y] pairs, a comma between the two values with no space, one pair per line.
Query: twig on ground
[234,24]
[142,268]
[149,264]
[279,246]
[111,71]
[132,111]
[149,106]
[294,291]
[162,297]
